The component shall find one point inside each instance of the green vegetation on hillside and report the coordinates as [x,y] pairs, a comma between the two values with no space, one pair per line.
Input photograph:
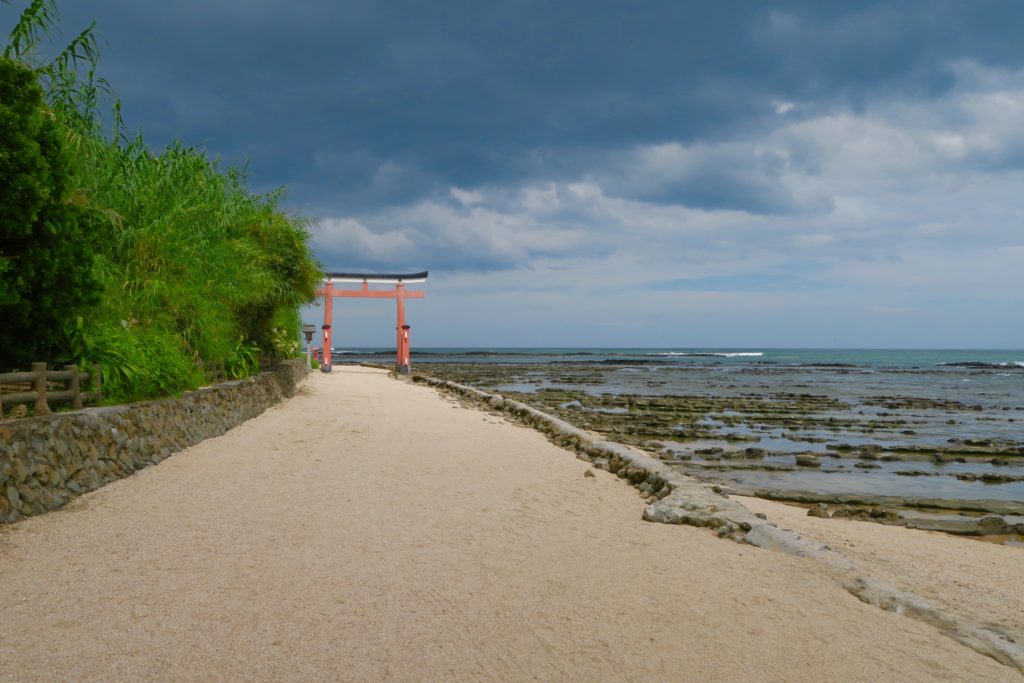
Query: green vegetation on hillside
[191,266]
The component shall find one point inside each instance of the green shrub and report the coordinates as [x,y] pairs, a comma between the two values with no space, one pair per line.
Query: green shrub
[193,253]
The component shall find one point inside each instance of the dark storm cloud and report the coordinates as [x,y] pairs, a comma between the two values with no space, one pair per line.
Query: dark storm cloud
[357,105]
[726,176]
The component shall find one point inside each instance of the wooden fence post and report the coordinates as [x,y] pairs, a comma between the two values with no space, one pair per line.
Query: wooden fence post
[73,387]
[96,383]
[39,386]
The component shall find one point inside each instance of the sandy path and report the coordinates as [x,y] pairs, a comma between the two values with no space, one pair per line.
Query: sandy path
[371,530]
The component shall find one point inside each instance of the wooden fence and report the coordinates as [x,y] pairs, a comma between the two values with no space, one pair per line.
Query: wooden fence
[41,395]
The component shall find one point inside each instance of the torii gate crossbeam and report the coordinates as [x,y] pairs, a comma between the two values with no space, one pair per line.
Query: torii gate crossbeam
[399,293]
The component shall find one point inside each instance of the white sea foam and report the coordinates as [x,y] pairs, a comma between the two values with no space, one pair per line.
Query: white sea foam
[716,354]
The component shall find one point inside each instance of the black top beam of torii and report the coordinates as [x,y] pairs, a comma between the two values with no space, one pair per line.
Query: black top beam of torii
[379,278]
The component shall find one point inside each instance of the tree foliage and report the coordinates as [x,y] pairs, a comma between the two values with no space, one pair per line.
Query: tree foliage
[46,240]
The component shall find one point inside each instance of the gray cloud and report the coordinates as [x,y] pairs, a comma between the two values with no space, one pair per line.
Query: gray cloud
[738,176]
[755,154]
[469,93]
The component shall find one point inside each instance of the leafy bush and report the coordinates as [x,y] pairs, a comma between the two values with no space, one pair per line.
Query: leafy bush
[193,253]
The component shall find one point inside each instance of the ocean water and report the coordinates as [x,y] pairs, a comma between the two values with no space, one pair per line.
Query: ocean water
[992,379]
[989,380]
[865,358]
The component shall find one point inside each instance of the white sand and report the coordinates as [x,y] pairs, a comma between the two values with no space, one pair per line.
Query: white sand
[371,530]
[963,575]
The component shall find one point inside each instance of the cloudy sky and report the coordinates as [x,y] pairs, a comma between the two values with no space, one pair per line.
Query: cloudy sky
[675,174]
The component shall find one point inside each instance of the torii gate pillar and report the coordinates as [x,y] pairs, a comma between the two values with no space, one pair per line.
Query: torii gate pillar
[399,293]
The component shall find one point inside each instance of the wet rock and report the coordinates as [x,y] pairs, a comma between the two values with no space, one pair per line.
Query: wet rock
[819,510]
[867,466]
[807,460]
[733,436]
[972,526]
[884,515]
[993,478]
[850,512]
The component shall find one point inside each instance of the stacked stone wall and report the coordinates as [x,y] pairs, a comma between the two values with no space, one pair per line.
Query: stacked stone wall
[46,461]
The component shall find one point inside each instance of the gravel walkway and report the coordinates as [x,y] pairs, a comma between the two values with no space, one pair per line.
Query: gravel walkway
[372,530]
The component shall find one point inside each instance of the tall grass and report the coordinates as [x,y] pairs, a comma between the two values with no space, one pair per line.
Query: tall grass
[195,268]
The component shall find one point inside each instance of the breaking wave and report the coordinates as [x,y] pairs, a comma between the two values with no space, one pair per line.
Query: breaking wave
[980,364]
[712,354]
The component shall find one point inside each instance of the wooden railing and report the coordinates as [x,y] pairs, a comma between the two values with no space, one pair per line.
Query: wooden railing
[40,395]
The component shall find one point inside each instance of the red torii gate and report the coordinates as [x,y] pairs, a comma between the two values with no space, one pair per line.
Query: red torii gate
[399,293]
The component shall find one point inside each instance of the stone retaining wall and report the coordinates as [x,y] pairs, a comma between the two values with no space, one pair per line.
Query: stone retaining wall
[46,461]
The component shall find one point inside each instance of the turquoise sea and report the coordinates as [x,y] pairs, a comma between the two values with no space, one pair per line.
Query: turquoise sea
[990,379]
[867,358]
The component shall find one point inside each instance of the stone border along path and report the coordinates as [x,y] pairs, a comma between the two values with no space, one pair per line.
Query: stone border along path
[48,460]
[678,499]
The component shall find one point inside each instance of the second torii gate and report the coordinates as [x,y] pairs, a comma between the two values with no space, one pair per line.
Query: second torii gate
[399,293]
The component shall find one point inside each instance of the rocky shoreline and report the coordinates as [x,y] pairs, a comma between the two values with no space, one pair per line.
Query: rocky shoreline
[676,498]
[841,459]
